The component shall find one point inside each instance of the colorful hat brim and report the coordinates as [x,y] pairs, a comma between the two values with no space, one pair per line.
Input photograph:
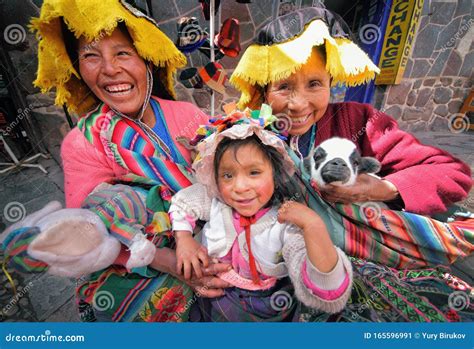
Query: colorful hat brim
[191,47]
[190,35]
[214,76]
[190,78]
[228,38]
[262,63]
[91,19]
[204,164]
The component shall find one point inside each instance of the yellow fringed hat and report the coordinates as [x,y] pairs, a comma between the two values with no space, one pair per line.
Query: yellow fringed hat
[284,45]
[91,19]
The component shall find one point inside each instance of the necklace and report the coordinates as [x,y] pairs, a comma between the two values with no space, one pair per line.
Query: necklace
[294,142]
[138,121]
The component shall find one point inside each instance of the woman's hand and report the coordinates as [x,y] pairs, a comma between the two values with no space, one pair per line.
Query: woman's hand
[190,255]
[207,286]
[366,188]
[210,286]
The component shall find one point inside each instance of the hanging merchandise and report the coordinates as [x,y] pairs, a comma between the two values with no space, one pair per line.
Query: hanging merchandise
[214,76]
[206,50]
[190,34]
[206,8]
[190,78]
[228,39]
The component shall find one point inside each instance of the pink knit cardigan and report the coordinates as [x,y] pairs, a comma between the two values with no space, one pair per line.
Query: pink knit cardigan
[85,167]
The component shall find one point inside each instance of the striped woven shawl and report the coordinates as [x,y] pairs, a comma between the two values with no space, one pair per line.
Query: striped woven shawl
[125,142]
[396,239]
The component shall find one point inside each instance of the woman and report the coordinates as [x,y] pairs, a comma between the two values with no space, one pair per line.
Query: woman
[291,66]
[124,135]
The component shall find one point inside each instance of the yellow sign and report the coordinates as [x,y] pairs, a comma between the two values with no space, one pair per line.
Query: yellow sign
[399,35]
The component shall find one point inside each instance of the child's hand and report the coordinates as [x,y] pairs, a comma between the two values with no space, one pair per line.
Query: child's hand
[189,255]
[297,214]
[319,247]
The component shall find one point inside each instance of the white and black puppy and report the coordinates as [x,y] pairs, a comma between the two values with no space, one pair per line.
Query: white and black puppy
[337,161]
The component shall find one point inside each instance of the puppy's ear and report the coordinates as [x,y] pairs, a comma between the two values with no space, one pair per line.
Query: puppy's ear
[319,156]
[369,165]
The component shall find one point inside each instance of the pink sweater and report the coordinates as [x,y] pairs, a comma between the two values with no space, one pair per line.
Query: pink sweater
[85,167]
[427,178]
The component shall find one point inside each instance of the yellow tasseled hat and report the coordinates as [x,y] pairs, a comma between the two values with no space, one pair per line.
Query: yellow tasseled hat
[284,45]
[91,19]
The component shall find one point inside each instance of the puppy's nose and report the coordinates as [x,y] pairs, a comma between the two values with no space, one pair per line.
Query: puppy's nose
[337,162]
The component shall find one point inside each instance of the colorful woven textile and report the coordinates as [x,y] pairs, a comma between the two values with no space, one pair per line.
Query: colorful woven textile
[237,305]
[402,239]
[379,294]
[116,295]
[394,238]
[133,147]
[122,210]
[144,295]
[16,245]
[383,294]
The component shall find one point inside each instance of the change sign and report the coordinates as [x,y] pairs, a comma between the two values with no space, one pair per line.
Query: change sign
[399,35]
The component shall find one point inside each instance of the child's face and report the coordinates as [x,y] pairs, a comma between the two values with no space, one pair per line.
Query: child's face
[245,179]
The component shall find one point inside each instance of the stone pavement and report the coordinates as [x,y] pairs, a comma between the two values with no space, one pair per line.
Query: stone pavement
[42,297]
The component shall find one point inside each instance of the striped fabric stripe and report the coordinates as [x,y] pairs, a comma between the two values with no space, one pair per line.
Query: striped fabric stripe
[127,144]
[16,245]
[121,210]
[403,239]
[127,302]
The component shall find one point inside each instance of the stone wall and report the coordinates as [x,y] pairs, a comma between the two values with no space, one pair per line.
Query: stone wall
[437,79]
[251,18]
[439,73]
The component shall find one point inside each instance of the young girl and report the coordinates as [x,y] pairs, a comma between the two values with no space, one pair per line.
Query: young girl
[254,222]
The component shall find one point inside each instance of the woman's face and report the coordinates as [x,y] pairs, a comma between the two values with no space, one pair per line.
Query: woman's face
[304,96]
[115,73]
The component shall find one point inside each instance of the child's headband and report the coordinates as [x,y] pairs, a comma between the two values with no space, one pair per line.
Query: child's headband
[238,125]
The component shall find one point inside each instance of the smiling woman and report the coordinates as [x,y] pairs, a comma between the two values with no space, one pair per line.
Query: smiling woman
[291,64]
[112,65]
[304,96]
[114,72]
